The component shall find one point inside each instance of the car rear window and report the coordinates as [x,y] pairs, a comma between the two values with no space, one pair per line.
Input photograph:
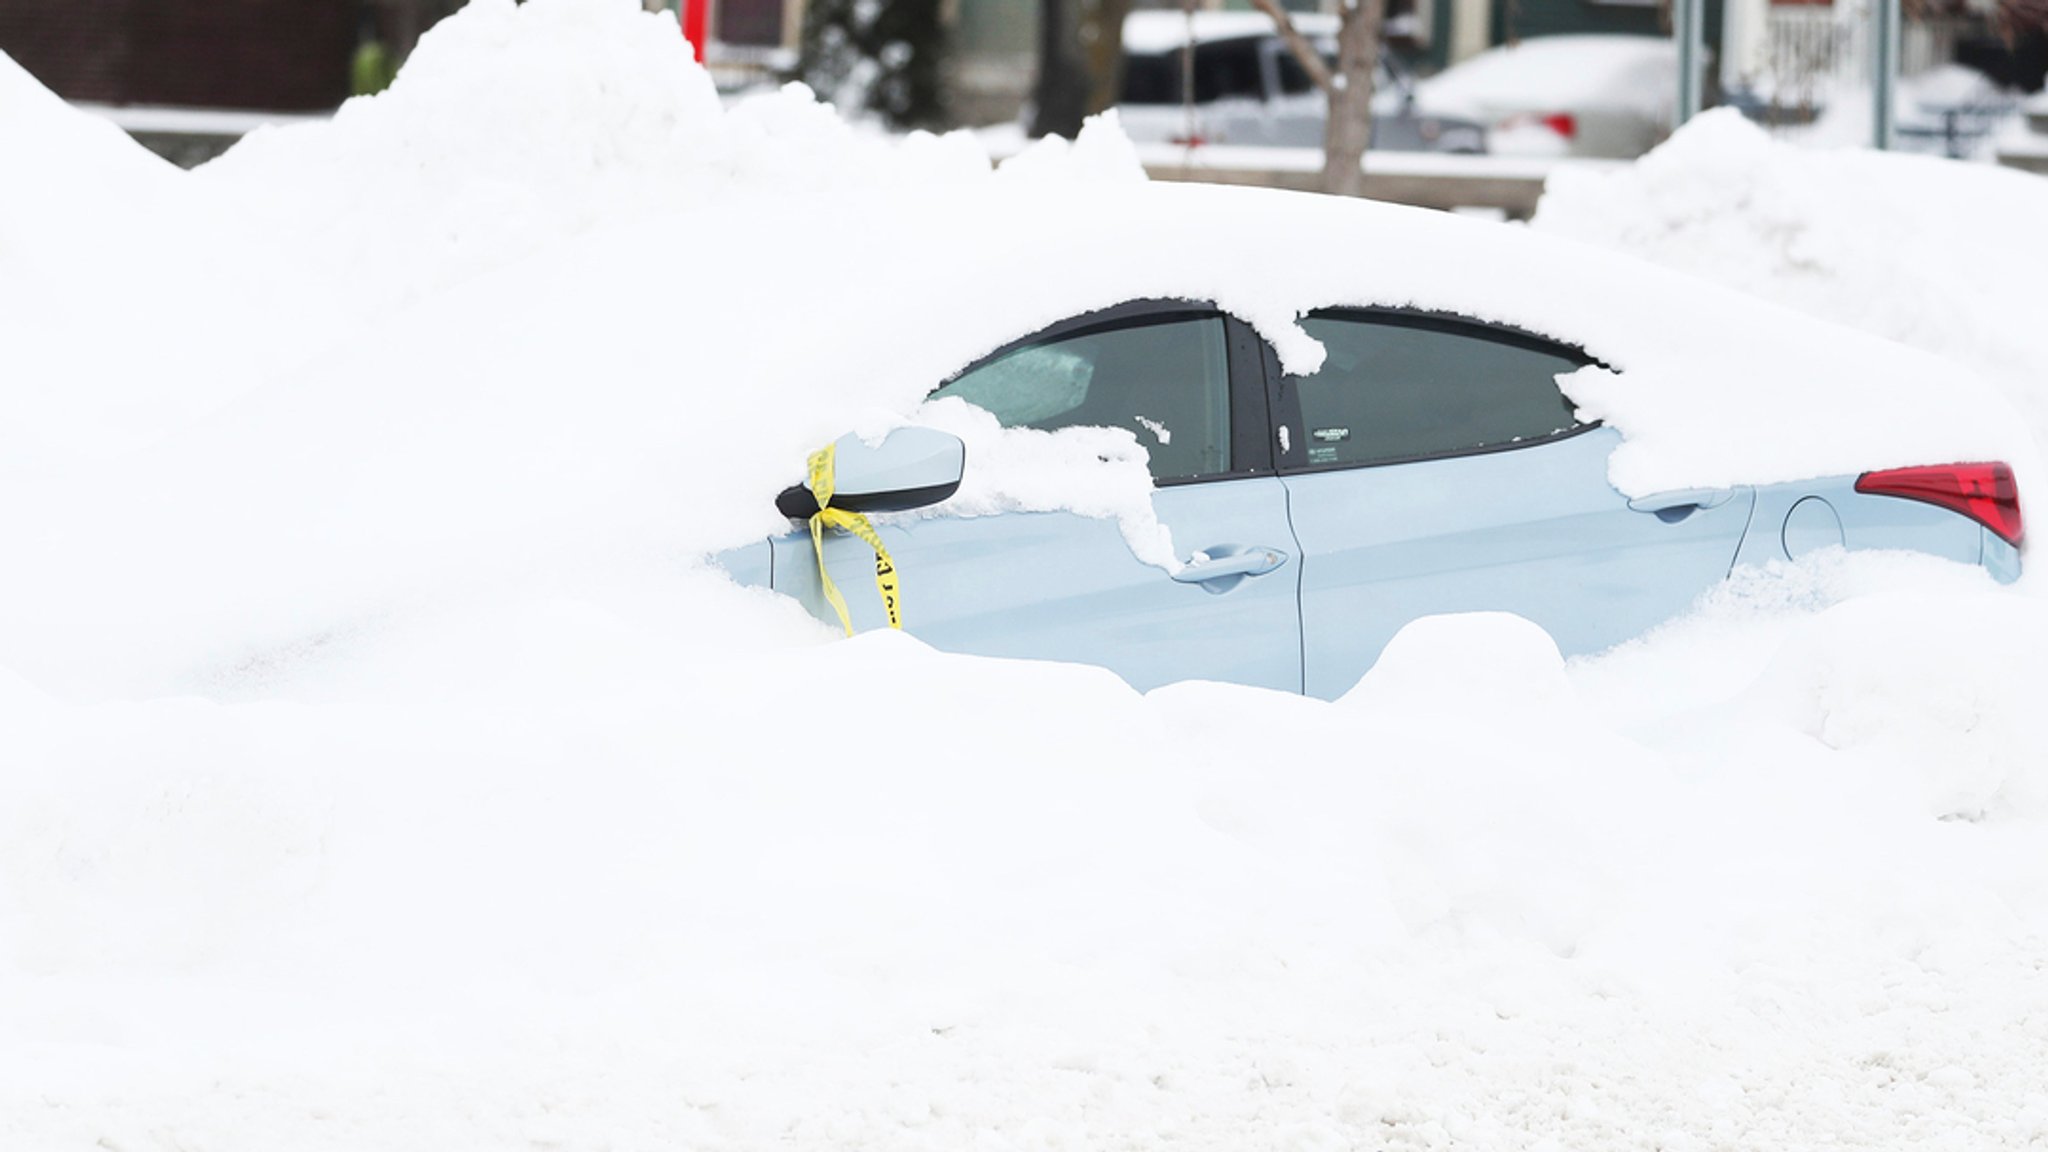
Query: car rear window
[1409,388]
[1223,68]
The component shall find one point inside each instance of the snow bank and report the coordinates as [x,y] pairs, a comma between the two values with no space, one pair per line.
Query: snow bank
[379,769]
[1924,251]
[659,909]
[84,155]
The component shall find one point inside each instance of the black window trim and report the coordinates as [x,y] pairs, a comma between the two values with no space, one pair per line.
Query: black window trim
[1285,400]
[1251,444]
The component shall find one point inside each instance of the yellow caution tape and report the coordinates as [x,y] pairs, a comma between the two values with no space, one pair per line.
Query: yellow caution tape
[830,517]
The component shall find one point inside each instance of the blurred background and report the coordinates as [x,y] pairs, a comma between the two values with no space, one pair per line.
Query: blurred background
[189,76]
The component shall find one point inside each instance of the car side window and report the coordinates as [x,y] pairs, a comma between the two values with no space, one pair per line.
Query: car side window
[1151,79]
[1228,68]
[1166,380]
[1409,388]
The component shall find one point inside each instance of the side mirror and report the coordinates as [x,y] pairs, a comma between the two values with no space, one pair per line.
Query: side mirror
[910,468]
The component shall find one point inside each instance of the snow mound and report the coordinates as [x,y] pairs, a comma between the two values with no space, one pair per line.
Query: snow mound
[1101,152]
[74,154]
[517,125]
[1881,679]
[1483,661]
[1918,249]
[379,768]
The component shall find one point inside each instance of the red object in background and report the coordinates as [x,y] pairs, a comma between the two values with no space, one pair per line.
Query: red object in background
[1564,124]
[696,24]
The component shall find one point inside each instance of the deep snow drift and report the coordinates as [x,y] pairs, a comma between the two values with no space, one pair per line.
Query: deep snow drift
[380,769]
[1934,254]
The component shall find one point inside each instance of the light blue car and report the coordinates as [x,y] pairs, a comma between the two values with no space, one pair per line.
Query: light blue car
[1432,465]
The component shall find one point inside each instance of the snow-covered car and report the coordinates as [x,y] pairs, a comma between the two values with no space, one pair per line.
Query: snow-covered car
[1582,95]
[1248,89]
[1345,444]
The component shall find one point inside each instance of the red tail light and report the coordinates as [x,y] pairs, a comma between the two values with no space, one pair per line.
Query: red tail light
[1983,492]
[1564,124]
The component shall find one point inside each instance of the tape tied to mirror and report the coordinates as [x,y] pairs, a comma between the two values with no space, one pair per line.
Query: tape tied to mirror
[821,483]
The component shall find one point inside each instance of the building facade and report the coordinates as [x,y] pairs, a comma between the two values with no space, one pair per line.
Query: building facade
[273,55]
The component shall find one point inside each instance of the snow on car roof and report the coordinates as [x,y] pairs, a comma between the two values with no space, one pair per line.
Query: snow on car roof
[1146,33]
[1709,387]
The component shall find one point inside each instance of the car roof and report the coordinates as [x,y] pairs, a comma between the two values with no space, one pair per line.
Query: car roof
[1148,33]
[1709,387]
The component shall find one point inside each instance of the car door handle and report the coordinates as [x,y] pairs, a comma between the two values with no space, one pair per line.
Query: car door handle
[1682,501]
[1231,563]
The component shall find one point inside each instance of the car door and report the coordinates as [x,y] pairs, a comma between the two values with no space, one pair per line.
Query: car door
[1189,382]
[1433,465]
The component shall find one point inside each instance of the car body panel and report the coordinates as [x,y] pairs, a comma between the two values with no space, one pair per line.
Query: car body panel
[1785,531]
[1060,586]
[1536,531]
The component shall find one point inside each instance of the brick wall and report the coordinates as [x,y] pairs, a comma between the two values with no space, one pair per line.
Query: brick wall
[270,55]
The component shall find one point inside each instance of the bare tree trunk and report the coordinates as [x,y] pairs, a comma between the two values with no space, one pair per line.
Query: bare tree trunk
[1080,62]
[1304,52]
[2016,18]
[1102,32]
[1349,131]
[411,21]
[1060,97]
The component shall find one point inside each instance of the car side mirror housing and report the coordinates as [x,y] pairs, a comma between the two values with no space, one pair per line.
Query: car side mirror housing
[909,468]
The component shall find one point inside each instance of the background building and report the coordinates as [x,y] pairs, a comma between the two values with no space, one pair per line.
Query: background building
[295,55]
[275,55]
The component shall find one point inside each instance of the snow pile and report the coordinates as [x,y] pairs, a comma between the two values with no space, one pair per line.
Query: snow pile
[1859,684]
[669,909]
[84,157]
[380,769]
[475,347]
[511,129]
[70,235]
[1925,251]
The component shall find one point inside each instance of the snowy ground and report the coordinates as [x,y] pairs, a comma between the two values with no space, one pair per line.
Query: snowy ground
[380,769]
